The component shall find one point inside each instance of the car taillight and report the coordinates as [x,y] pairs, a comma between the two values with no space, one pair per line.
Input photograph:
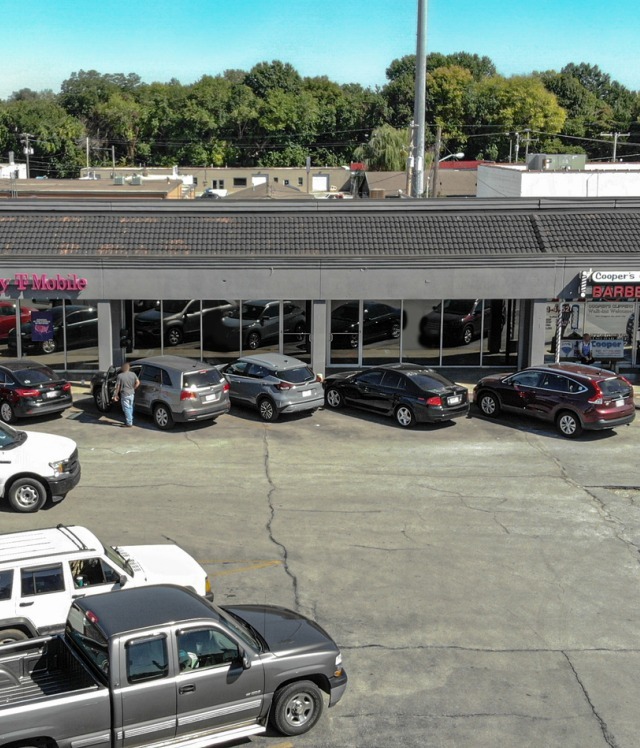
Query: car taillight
[226,387]
[435,400]
[598,398]
[188,395]
[66,387]
[284,386]
[27,393]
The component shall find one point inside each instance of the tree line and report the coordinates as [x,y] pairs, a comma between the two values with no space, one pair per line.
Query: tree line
[273,116]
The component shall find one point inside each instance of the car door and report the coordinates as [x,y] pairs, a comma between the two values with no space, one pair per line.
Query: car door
[82,327]
[393,387]
[553,390]
[8,600]
[44,596]
[7,320]
[192,315]
[146,693]
[367,391]
[90,576]
[148,391]
[254,382]
[518,392]
[269,322]
[292,318]
[213,689]
[239,380]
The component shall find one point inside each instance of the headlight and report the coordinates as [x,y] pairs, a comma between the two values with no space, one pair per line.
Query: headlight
[337,671]
[59,467]
[339,660]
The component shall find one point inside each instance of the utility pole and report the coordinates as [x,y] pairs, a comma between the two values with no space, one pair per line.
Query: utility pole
[517,134]
[615,136]
[87,148]
[436,161]
[419,109]
[412,128]
[113,159]
[526,144]
[25,137]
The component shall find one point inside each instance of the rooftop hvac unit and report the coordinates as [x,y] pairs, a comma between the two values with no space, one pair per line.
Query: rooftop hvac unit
[136,179]
[118,180]
[557,162]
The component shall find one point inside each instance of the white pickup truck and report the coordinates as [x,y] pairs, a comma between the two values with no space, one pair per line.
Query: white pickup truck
[43,571]
[35,467]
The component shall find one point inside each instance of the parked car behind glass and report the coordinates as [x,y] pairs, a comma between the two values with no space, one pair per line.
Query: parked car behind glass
[274,384]
[409,392]
[259,322]
[462,321]
[172,389]
[380,322]
[81,323]
[573,396]
[8,317]
[180,320]
[28,388]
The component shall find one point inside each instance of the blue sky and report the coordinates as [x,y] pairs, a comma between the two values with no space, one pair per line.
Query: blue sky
[349,41]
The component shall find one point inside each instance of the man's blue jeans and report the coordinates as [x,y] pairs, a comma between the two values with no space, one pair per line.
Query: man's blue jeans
[127,408]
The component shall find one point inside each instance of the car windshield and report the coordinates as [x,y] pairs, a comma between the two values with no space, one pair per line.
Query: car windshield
[458,306]
[614,387]
[10,437]
[173,307]
[346,312]
[113,554]
[203,378]
[37,375]
[242,629]
[296,376]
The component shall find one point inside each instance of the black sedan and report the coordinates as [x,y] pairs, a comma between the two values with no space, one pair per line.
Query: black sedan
[409,392]
[28,388]
[380,322]
[76,324]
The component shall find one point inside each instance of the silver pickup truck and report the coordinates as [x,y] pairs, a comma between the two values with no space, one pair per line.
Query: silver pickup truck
[160,666]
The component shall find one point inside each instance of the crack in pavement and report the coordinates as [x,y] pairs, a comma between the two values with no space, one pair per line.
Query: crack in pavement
[606,733]
[272,514]
[487,650]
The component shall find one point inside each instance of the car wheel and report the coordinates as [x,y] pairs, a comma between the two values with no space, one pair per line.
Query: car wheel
[489,404]
[267,409]
[99,400]
[253,340]
[353,341]
[49,346]
[405,416]
[8,636]
[395,330]
[27,495]
[333,398]
[296,708]
[467,335]
[7,413]
[162,417]
[174,336]
[568,424]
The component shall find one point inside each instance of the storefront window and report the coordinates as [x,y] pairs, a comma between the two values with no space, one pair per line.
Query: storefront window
[381,331]
[221,331]
[421,334]
[142,321]
[296,330]
[345,336]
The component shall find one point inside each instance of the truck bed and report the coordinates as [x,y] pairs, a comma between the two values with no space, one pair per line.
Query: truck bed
[38,669]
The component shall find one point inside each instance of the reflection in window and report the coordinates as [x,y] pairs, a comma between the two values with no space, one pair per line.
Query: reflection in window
[147,660]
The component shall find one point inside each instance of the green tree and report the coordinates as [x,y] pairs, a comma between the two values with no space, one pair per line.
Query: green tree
[387,149]
[267,76]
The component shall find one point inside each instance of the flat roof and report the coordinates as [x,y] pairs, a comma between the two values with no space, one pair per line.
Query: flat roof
[31,545]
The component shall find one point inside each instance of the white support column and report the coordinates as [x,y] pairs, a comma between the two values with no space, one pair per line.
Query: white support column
[319,336]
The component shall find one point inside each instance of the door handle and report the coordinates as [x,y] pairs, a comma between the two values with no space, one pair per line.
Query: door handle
[80,594]
[187,689]
[25,605]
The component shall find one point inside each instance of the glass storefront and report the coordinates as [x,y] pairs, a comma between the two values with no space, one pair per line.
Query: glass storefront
[433,332]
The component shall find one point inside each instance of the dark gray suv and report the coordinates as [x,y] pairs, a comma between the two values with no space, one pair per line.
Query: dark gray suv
[172,389]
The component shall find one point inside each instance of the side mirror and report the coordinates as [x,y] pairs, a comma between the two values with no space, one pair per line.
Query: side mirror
[246,661]
[122,580]
[262,321]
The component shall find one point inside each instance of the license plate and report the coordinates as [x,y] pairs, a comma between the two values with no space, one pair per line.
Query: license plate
[209,398]
[455,400]
[619,403]
[53,393]
[306,393]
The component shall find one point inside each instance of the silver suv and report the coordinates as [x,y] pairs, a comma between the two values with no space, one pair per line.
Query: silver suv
[274,384]
[172,389]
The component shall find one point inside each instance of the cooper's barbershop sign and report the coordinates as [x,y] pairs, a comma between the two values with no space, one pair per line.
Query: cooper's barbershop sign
[615,284]
[43,282]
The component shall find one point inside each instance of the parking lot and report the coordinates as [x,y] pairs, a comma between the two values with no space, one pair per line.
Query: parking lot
[481,577]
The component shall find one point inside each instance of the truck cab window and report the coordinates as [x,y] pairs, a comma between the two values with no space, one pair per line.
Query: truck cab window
[205,648]
[147,659]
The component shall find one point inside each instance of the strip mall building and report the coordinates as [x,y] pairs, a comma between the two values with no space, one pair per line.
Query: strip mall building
[476,283]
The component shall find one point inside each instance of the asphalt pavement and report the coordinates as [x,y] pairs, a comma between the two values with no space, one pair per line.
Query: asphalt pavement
[480,577]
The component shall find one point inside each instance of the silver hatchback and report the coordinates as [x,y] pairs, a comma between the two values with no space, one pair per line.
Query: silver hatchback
[274,384]
[172,389]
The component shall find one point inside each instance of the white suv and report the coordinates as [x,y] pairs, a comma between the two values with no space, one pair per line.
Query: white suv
[42,571]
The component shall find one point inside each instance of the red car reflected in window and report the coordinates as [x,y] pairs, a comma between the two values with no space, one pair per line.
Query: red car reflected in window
[8,317]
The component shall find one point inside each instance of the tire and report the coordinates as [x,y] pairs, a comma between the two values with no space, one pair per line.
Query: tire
[253,340]
[162,417]
[98,400]
[489,404]
[174,336]
[49,346]
[405,417]
[353,341]
[395,330]
[333,398]
[27,495]
[568,424]
[8,636]
[267,409]
[467,335]
[7,413]
[296,708]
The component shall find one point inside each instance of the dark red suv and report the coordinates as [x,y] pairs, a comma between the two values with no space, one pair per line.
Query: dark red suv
[572,396]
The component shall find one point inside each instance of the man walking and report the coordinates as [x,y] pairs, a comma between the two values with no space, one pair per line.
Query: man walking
[126,385]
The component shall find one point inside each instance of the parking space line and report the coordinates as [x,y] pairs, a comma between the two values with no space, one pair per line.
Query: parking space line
[252,566]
